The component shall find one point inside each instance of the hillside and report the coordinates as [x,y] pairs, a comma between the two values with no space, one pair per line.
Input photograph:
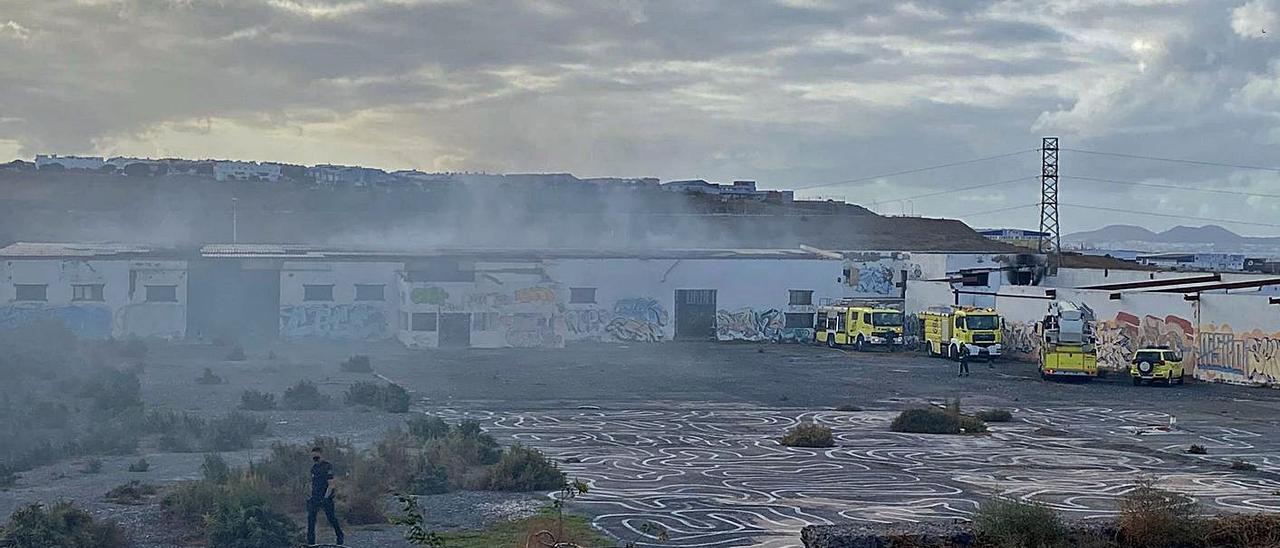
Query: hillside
[186,210]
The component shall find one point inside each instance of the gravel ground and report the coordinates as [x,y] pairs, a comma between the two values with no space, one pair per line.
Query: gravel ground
[600,376]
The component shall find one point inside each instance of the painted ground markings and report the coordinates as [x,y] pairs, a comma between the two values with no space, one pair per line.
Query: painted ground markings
[714,475]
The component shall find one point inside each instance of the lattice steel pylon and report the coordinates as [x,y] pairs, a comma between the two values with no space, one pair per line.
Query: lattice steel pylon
[1050,241]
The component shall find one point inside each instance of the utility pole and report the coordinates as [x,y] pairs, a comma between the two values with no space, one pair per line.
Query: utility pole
[235,228]
[1050,240]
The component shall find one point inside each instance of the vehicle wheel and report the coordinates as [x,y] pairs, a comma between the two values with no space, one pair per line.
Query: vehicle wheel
[860,345]
[928,348]
[953,352]
[1137,381]
[831,340]
[1182,378]
[1043,376]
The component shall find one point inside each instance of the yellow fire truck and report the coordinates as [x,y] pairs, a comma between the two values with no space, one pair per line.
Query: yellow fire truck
[951,330]
[1066,342]
[862,326]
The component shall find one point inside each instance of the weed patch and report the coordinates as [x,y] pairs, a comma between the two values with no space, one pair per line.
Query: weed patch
[131,494]
[524,469]
[208,377]
[391,398]
[305,396]
[61,525]
[357,364]
[994,415]
[254,400]
[1008,523]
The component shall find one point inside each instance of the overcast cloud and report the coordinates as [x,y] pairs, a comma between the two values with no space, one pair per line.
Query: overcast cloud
[792,93]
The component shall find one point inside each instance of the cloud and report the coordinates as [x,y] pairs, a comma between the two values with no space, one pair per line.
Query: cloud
[787,92]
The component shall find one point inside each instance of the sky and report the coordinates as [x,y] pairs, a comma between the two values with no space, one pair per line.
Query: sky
[790,93]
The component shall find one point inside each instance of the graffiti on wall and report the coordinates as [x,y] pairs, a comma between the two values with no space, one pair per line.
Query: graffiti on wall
[638,319]
[1021,340]
[872,279]
[339,321]
[749,324]
[1119,338]
[531,330]
[1251,357]
[429,295]
[88,322]
[481,301]
[587,323]
[536,295]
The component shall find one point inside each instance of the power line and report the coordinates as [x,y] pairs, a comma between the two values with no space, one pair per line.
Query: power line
[1172,216]
[1175,187]
[1003,209]
[916,170]
[954,190]
[1174,160]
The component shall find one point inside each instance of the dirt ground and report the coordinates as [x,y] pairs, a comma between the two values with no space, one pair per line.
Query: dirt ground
[682,434]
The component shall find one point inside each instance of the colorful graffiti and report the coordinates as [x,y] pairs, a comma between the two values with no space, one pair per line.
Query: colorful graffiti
[641,309]
[629,330]
[1021,340]
[872,279]
[1119,338]
[529,330]
[748,324]
[476,301]
[429,295]
[1251,357]
[536,295]
[88,322]
[342,321]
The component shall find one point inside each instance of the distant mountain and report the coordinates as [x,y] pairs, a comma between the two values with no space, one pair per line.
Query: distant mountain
[1113,233]
[1212,235]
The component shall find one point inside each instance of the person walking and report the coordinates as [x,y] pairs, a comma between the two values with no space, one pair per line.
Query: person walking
[964,362]
[321,497]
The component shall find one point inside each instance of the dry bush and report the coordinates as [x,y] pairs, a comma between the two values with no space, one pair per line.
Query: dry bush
[1244,531]
[1151,517]
[359,363]
[994,415]
[808,434]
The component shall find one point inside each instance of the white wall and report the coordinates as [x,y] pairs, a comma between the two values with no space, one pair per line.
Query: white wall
[635,298]
[123,311]
[344,317]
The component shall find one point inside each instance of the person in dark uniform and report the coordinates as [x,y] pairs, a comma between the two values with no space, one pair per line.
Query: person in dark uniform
[321,496]
[964,362]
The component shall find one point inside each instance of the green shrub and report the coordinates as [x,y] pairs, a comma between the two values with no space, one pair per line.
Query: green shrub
[1197,450]
[209,377]
[8,475]
[808,434]
[113,391]
[429,478]
[236,354]
[191,503]
[931,420]
[134,348]
[61,525]
[233,431]
[1008,523]
[994,415]
[362,501]
[254,400]
[1150,516]
[132,493]
[391,398]
[283,470]
[214,469]
[428,428]
[926,420]
[524,469]
[357,364]
[253,526]
[1243,465]
[140,465]
[304,396]
[461,452]
[92,466]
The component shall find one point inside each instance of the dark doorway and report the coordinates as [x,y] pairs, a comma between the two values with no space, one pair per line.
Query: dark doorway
[455,330]
[233,300]
[695,314]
